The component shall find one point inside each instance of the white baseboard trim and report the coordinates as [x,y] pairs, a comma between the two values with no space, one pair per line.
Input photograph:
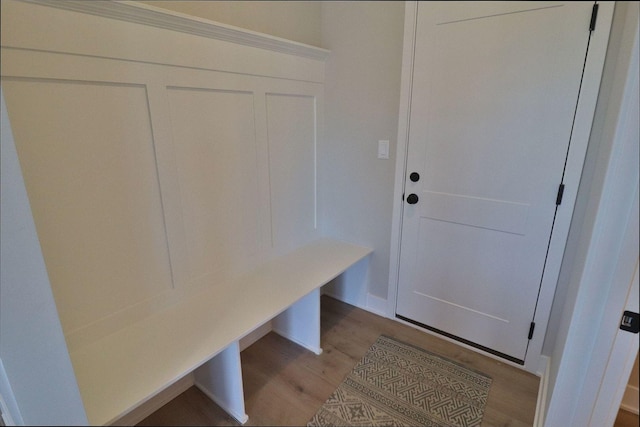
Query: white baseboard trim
[373,304]
[313,349]
[255,335]
[156,402]
[630,400]
[541,404]
[241,417]
[376,305]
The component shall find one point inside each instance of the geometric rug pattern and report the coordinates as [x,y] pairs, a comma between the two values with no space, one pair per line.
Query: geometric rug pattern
[398,384]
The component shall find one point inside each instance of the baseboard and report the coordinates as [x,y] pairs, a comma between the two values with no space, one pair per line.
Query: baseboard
[255,335]
[376,305]
[541,404]
[630,399]
[242,418]
[156,402]
[373,304]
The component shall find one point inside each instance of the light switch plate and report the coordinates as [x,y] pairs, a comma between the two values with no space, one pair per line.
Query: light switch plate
[383,149]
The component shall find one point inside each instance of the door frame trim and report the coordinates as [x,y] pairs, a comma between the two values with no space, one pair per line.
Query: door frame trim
[578,146]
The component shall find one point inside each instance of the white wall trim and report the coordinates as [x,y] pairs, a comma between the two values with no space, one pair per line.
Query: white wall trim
[156,402]
[583,122]
[543,373]
[239,417]
[255,335]
[376,305]
[144,14]
[630,399]
[32,26]
[371,303]
[592,356]
[406,82]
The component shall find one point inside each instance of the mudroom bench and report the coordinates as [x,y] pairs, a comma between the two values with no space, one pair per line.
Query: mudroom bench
[201,333]
[187,154]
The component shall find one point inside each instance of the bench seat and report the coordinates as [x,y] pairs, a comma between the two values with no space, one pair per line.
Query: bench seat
[121,371]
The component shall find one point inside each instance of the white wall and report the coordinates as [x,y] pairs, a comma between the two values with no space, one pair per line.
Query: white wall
[32,349]
[362,94]
[294,20]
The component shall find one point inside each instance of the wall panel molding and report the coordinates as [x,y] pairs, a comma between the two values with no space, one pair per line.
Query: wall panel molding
[98,29]
[292,168]
[148,15]
[231,139]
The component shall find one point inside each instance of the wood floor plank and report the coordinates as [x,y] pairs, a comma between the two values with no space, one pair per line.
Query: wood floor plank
[282,393]
[285,384]
[627,419]
[191,408]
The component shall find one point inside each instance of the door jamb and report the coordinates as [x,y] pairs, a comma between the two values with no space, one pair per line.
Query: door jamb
[578,146]
[406,83]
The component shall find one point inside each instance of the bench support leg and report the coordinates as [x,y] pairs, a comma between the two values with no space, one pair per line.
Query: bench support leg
[221,380]
[300,323]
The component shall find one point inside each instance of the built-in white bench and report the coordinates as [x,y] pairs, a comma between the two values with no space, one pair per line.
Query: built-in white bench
[201,334]
[188,157]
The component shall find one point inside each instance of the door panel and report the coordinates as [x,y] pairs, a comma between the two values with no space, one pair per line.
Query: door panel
[498,215]
[495,87]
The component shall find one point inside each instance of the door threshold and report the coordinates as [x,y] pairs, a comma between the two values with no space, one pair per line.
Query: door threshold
[462,340]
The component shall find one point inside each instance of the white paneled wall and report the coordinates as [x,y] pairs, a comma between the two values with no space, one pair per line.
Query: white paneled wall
[87,155]
[154,172]
[214,140]
[292,167]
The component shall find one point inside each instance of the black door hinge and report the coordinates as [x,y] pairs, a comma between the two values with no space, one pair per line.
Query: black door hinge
[531,328]
[594,17]
[559,195]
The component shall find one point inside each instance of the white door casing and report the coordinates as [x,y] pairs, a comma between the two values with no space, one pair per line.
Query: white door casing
[483,81]
[593,358]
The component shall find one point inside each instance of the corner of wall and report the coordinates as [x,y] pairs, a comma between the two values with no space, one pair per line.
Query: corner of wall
[34,355]
[8,406]
[362,92]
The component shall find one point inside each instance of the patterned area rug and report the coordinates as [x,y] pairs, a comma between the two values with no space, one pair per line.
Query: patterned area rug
[397,384]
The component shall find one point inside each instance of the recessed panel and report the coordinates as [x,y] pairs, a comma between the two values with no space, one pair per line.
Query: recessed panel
[215,145]
[498,215]
[87,156]
[459,264]
[291,126]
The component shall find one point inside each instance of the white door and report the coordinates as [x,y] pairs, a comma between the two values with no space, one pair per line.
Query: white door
[495,87]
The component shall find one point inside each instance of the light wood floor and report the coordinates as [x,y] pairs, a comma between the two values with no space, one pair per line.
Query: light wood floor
[285,384]
[627,419]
